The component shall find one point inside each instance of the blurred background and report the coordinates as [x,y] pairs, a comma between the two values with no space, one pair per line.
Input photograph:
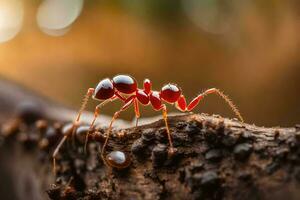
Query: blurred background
[249,49]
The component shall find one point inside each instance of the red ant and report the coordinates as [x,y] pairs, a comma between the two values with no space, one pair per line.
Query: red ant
[109,90]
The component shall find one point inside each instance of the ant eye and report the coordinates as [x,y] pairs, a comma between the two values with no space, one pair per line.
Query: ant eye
[170,93]
[118,159]
[125,84]
[104,90]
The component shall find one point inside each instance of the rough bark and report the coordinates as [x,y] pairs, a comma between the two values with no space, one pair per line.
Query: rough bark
[215,158]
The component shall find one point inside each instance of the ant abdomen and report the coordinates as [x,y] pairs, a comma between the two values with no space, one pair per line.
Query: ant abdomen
[170,93]
[118,159]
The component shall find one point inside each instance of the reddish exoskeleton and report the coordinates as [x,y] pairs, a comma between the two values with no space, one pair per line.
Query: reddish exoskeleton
[109,90]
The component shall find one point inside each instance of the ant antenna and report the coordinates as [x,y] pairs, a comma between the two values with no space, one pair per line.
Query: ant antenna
[230,103]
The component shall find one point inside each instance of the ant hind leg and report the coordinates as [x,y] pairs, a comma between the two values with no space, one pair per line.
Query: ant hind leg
[137,112]
[197,99]
[165,117]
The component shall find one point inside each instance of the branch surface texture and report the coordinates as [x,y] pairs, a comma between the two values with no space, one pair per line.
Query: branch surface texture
[215,158]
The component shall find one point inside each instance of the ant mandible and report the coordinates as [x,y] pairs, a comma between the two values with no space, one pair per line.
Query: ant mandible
[109,90]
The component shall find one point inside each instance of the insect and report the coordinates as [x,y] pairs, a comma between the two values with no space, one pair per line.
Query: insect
[125,88]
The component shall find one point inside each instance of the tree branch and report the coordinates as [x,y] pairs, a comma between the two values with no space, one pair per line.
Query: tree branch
[215,158]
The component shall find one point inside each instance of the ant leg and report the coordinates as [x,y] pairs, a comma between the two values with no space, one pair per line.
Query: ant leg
[165,116]
[84,103]
[137,111]
[180,104]
[196,100]
[129,101]
[56,152]
[96,114]
[120,96]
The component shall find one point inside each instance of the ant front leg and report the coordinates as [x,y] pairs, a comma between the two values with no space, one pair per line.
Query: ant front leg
[128,101]
[75,124]
[96,114]
[85,100]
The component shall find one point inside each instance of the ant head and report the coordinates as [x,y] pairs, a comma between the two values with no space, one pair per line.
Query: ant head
[170,93]
[124,84]
[104,90]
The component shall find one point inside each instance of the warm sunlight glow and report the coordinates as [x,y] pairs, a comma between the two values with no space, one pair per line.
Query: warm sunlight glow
[211,16]
[54,17]
[11,18]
